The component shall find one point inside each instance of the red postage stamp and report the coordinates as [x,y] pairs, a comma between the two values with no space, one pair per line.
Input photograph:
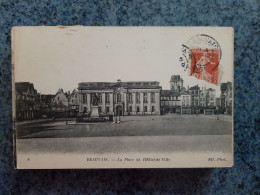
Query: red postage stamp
[201,56]
[204,64]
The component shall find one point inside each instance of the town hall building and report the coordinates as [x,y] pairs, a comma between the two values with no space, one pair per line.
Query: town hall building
[120,98]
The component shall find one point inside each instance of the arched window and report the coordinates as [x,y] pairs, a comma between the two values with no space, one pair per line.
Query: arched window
[137,97]
[153,97]
[99,98]
[145,98]
[107,98]
[84,98]
[119,98]
[130,98]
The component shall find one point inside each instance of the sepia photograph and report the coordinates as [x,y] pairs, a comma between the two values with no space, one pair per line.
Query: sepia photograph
[122,97]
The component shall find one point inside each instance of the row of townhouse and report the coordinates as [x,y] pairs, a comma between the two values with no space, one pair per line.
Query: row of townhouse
[32,105]
[122,98]
[194,100]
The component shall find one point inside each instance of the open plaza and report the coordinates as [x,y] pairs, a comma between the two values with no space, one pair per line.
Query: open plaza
[47,143]
[163,125]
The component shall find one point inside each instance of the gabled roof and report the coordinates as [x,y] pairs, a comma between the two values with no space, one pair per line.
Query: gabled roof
[59,91]
[74,92]
[21,87]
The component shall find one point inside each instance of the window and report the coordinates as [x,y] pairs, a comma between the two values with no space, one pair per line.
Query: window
[85,110]
[118,97]
[99,98]
[107,98]
[153,97]
[99,109]
[137,109]
[107,109]
[130,108]
[145,109]
[130,98]
[84,98]
[145,98]
[152,108]
[137,97]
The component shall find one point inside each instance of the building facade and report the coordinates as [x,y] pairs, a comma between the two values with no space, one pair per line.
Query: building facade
[185,103]
[176,83]
[198,101]
[170,102]
[26,97]
[226,98]
[120,98]
[210,97]
[195,95]
[44,105]
[60,104]
[73,99]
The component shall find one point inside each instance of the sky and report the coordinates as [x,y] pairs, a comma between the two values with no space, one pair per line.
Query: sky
[61,57]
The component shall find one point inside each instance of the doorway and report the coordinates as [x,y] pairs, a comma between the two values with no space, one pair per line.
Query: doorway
[119,111]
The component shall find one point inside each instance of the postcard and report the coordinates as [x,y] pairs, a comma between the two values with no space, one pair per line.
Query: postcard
[122,97]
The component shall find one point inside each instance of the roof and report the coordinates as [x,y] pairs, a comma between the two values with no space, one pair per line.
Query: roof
[46,98]
[175,78]
[59,91]
[21,87]
[196,87]
[226,86]
[166,93]
[74,92]
[210,89]
[112,85]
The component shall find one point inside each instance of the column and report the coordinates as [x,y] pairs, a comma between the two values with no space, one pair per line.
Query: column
[88,103]
[80,103]
[125,102]
[141,102]
[149,102]
[134,102]
[111,106]
[157,103]
[103,103]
